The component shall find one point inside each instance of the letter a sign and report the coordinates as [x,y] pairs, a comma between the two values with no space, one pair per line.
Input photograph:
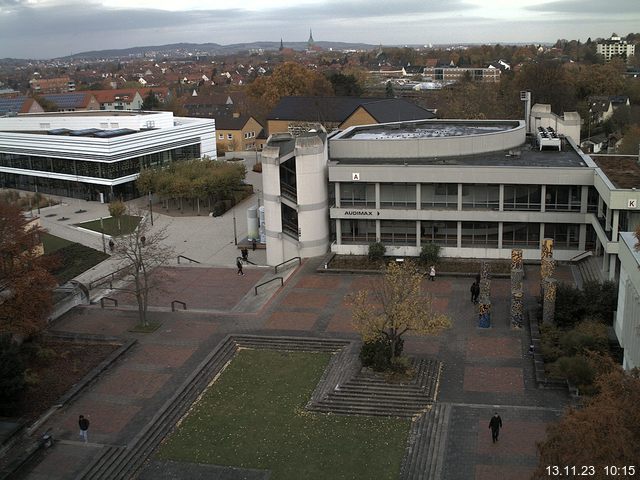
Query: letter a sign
[355,177]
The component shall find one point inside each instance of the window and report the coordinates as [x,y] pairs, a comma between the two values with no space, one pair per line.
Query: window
[288,180]
[522,197]
[398,232]
[221,136]
[358,231]
[290,221]
[439,195]
[480,196]
[521,235]
[480,234]
[562,198]
[398,195]
[565,235]
[229,136]
[358,195]
[440,233]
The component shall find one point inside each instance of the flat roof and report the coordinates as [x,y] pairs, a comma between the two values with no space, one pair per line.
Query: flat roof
[526,156]
[92,113]
[428,129]
[622,170]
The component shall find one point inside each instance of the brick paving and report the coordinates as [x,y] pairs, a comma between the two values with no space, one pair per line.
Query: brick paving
[483,369]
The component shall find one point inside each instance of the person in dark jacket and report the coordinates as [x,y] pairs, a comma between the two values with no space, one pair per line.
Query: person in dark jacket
[475,292]
[495,424]
[83,423]
[239,265]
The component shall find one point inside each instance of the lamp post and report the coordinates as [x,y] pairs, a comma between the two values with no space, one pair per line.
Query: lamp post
[104,246]
[235,232]
[150,209]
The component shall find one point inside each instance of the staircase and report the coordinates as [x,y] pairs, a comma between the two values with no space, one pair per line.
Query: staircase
[588,269]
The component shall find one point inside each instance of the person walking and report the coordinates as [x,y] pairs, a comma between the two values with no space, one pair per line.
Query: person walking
[83,423]
[495,424]
[475,292]
[245,254]
[239,265]
[253,244]
[432,273]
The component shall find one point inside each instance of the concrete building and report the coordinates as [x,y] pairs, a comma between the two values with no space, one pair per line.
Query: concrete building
[96,155]
[627,321]
[615,47]
[476,188]
[455,74]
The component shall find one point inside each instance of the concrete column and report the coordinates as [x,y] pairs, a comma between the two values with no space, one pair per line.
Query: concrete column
[605,262]
[541,235]
[337,194]
[418,196]
[501,200]
[459,199]
[607,220]
[600,203]
[338,231]
[543,199]
[500,229]
[582,237]
[612,267]
[378,197]
[614,227]
[584,199]
[459,234]
[378,235]
[418,234]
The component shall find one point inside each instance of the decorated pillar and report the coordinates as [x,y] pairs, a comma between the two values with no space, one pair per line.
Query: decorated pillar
[549,301]
[517,277]
[484,303]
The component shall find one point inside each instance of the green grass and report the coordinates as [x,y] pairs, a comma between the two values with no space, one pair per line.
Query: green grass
[128,224]
[51,243]
[150,328]
[73,259]
[253,416]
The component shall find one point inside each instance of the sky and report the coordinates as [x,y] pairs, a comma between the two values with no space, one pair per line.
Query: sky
[54,28]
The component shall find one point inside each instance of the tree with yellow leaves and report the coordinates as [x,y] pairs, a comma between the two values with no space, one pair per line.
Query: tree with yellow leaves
[395,305]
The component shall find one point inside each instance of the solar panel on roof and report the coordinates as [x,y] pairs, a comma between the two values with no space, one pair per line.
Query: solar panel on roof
[84,132]
[66,100]
[113,133]
[59,131]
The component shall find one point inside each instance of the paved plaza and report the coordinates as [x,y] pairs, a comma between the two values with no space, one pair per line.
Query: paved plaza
[484,370]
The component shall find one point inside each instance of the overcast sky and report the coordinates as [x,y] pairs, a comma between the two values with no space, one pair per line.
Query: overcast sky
[52,28]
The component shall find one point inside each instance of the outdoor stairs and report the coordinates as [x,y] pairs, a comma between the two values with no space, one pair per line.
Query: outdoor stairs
[369,393]
[588,269]
[424,458]
[119,463]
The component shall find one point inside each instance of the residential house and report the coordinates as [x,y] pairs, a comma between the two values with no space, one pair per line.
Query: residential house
[15,105]
[119,99]
[615,47]
[238,132]
[299,114]
[52,85]
[601,107]
[73,102]
[209,106]
[490,74]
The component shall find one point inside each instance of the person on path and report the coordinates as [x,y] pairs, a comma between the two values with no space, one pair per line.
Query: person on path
[475,292]
[495,425]
[83,423]
[253,244]
[245,254]
[111,245]
[432,273]
[239,265]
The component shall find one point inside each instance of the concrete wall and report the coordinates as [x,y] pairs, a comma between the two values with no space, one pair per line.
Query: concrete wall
[272,210]
[567,125]
[627,322]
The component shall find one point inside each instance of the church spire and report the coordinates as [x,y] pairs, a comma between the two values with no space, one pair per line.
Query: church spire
[281,45]
[310,42]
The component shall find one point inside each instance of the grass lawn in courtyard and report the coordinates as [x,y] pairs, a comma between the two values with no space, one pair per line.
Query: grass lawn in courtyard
[128,224]
[51,243]
[73,258]
[253,416]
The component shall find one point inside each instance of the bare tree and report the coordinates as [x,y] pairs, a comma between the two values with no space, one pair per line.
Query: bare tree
[143,251]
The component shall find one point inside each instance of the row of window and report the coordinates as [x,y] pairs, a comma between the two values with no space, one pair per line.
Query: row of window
[474,196]
[109,170]
[473,234]
[230,135]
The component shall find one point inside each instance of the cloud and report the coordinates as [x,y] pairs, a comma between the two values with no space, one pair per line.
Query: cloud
[610,7]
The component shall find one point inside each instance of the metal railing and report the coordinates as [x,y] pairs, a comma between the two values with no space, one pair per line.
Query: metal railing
[275,269]
[581,256]
[173,305]
[110,277]
[191,260]
[114,300]
[268,281]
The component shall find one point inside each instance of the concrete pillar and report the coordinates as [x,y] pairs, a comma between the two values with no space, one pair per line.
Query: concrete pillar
[549,301]
[459,197]
[337,194]
[418,234]
[378,234]
[605,262]
[612,267]
[543,200]
[614,226]
[541,234]
[377,197]
[338,231]
[582,237]
[584,199]
[418,196]
[607,220]
[600,203]
[459,235]
[501,200]
[500,231]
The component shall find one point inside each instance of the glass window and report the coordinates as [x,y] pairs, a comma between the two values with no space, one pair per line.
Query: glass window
[288,181]
[290,221]
[358,231]
[398,195]
[440,233]
[358,195]
[562,197]
[592,200]
[480,234]
[229,136]
[398,232]
[480,196]
[565,235]
[522,197]
[525,235]
[439,195]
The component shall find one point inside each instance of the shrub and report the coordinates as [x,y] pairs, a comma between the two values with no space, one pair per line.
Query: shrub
[576,369]
[550,343]
[430,254]
[600,300]
[376,251]
[376,353]
[570,306]
[587,335]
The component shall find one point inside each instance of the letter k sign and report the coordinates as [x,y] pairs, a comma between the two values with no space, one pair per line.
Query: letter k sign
[632,203]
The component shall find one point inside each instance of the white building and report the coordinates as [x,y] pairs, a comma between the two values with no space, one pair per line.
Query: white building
[627,323]
[96,155]
[615,47]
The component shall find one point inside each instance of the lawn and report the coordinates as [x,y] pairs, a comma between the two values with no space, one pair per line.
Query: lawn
[253,416]
[127,224]
[72,258]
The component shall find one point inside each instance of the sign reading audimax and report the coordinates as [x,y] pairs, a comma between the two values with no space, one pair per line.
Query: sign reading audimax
[361,213]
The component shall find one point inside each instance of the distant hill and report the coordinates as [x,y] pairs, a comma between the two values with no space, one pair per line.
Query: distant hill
[190,49]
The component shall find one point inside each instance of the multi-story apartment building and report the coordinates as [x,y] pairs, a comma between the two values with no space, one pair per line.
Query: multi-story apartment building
[615,47]
[455,74]
[96,155]
[41,86]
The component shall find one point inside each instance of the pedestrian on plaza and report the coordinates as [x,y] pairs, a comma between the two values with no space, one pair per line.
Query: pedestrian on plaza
[239,265]
[83,423]
[495,425]
[245,254]
[253,244]
[475,292]
[432,273]
[143,240]
[111,245]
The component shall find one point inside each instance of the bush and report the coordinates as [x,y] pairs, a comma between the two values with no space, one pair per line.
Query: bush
[601,300]
[376,251]
[377,353]
[12,380]
[588,335]
[576,369]
[430,254]
[570,306]
[550,343]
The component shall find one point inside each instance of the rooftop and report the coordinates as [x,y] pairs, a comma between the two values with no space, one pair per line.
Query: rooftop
[622,170]
[403,131]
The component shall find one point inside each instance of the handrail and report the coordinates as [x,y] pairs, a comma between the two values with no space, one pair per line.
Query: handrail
[275,269]
[173,305]
[191,260]
[110,276]
[114,300]
[268,281]
[581,256]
